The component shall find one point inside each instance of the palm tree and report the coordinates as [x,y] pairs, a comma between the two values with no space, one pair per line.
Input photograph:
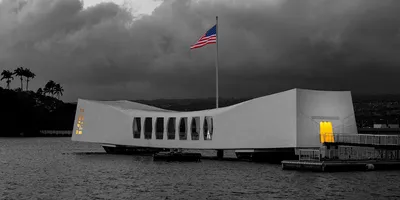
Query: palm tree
[8,75]
[49,88]
[39,91]
[58,90]
[21,73]
[29,75]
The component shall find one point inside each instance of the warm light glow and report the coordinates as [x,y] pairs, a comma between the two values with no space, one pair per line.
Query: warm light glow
[79,125]
[326,132]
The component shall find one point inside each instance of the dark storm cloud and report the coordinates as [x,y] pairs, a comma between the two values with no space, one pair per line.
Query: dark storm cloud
[265,46]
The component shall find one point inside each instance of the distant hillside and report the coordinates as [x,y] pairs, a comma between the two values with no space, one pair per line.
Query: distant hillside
[376,98]
[190,104]
[28,112]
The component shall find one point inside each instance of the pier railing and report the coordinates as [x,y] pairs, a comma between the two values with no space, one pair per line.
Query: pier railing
[309,154]
[366,139]
[361,153]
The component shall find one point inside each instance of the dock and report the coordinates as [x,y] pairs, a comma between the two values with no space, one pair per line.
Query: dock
[344,152]
[340,165]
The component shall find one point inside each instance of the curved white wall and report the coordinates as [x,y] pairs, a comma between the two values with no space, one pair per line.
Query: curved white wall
[274,121]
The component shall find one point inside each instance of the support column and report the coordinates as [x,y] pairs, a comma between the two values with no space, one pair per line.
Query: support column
[220,154]
[398,154]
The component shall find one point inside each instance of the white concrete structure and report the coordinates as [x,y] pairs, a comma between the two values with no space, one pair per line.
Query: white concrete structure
[289,119]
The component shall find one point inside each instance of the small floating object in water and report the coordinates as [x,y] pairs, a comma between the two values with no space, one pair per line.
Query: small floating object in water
[177,156]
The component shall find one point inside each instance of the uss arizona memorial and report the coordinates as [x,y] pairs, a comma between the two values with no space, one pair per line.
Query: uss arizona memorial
[281,122]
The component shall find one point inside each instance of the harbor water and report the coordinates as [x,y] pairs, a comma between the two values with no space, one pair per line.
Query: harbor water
[57,168]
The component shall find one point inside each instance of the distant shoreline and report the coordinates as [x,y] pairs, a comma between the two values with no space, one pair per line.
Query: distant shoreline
[44,133]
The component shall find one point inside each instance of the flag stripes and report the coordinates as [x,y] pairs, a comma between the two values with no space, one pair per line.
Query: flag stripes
[210,37]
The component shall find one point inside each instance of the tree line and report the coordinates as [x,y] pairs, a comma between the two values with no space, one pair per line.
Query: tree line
[51,88]
[26,112]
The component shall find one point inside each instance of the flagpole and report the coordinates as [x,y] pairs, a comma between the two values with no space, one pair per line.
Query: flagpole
[216,65]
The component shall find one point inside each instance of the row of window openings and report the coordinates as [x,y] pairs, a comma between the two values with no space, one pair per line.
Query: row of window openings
[171,128]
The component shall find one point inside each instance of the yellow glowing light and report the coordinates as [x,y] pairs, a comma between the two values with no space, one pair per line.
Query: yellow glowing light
[326,132]
[79,124]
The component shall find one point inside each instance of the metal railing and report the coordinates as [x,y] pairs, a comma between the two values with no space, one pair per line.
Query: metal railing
[309,154]
[388,140]
[363,153]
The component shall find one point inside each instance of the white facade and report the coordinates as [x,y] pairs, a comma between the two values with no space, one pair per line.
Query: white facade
[289,119]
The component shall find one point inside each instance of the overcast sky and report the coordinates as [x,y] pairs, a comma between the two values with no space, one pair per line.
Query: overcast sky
[106,51]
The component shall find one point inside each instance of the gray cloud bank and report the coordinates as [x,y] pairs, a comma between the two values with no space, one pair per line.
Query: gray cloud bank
[265,46]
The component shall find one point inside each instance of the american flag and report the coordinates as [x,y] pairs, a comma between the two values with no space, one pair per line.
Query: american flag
[209,37]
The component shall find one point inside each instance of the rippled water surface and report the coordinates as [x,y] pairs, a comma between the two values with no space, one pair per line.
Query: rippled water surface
[57,168]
